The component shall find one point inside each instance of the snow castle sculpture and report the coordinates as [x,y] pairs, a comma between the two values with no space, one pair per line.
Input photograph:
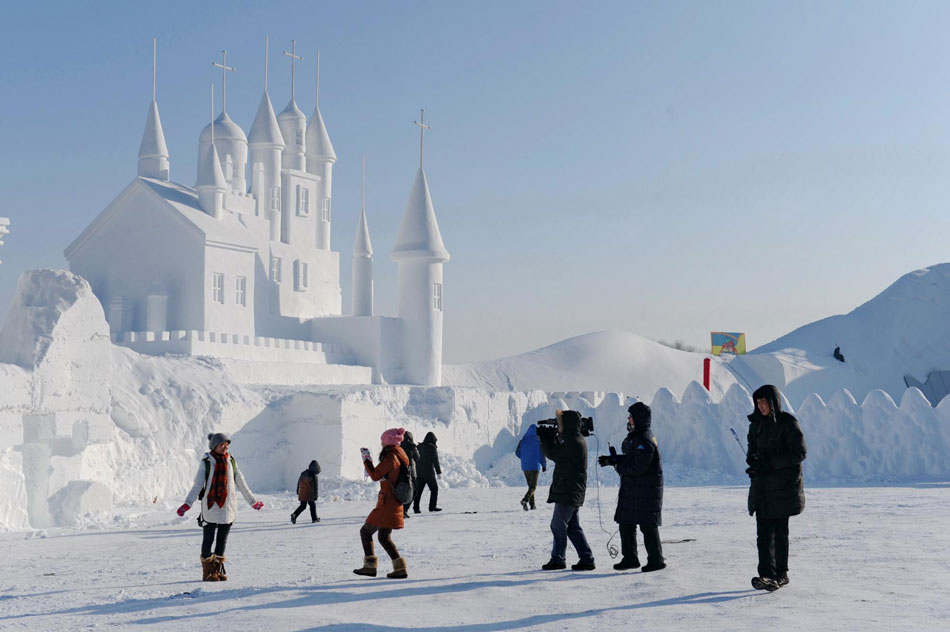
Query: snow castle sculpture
[240,265]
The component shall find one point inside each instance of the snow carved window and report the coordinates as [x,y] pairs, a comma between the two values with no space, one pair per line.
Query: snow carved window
[240,291]
[217,288]
[275,269]
[325,210]
[437,297]
[275,199]
[303,201]
[299,137]
[301,275]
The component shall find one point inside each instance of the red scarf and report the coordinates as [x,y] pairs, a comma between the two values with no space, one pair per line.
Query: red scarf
[218,489]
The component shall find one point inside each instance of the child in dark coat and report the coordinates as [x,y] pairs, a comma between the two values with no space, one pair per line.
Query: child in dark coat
[307,492]
[427,468]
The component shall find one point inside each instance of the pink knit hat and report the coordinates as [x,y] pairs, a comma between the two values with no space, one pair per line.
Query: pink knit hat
[393,436]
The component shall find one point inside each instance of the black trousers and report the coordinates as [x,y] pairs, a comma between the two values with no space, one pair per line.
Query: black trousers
[303,505]
[651,542]
[209,538]
[385,540]
[421,484]
[772,542]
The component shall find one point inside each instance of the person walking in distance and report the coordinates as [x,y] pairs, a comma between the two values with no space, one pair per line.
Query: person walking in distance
[409,447]
[388,513]
[216,485]
[307,492]
[427,469]
[529,451]
[776,489]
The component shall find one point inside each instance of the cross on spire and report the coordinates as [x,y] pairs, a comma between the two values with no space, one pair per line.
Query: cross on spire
[293,59]
[224,78]
[422,130]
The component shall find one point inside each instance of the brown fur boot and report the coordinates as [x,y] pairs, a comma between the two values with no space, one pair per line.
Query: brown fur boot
[369,566]
[399,569]
[219,561]
[208,573]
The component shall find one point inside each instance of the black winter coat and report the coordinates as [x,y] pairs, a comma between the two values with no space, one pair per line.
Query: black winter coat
[427,465]
[640,500]
[308,489]
[569,482]
[409,447]
[776,441]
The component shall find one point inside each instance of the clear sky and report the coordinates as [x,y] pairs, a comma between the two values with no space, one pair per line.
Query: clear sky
[665,168]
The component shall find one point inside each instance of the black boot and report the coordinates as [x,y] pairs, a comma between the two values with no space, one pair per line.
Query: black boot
[293,518]
[626,564]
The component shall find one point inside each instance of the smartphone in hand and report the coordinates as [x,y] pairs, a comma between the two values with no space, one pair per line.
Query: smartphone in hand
[364,452]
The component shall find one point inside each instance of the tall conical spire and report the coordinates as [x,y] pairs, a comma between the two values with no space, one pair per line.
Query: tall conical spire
[211,184]
[419,236]
[363,263]
[363,247]
[153,153]
[293,122]
[319,147]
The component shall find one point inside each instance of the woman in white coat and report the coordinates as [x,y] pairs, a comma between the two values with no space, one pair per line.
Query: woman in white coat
[216,483]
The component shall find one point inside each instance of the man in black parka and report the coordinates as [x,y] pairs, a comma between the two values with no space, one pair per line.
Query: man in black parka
[409,447]
[776,492]
[427,468]
[568,450]
[640,501]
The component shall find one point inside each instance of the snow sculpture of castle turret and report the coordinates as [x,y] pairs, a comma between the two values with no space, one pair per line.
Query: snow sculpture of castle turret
[363,263]
[229,138]
[320,159]
[211,184]
[153,153]
[266,145]
[420,253]
[293,122]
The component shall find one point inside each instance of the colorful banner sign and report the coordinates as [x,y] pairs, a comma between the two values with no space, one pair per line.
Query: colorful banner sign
[728,342]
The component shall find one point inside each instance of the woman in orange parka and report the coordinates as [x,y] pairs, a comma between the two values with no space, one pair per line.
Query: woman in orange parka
[388,514]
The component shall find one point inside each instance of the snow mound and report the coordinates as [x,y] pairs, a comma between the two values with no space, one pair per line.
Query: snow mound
[603,361]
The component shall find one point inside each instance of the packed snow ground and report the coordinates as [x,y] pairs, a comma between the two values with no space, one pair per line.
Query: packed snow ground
[875,558]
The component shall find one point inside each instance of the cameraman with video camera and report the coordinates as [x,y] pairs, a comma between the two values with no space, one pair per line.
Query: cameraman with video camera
[640,501]
[568,449]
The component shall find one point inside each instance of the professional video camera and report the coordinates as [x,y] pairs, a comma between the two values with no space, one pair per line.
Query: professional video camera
[547,428]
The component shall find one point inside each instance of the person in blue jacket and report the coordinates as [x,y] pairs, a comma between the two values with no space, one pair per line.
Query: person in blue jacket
[529,451]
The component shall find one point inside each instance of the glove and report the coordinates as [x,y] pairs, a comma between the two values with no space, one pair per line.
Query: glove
[364,452]
[181,510]
[258,505]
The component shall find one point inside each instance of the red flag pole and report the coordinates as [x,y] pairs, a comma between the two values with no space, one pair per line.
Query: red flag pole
[706,363]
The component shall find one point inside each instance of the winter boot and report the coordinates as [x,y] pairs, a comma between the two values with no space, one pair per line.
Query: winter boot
[553,566]
[782,580]
[583,566]
[219,561]
[369,566]
[524,504]
[399,569]
[317,519]
[653,566]
[208,573]
[764,583]
[293,518]
[626,564]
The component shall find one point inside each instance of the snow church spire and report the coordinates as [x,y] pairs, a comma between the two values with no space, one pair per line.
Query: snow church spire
[420,253]
[153,153]
[293,122]
[211,185]
[363,263]
[266,144]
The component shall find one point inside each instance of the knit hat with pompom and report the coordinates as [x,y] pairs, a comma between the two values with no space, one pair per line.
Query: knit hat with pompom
[393,436]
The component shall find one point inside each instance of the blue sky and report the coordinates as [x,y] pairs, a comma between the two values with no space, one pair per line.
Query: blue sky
[662,168]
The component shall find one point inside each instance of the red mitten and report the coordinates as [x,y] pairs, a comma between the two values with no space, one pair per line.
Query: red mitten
[258,505]
[181,510]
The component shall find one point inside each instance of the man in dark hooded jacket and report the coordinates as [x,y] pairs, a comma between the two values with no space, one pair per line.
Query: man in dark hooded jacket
[776,451]
[568,450]
[307,492]
[640,501]
[427,468]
